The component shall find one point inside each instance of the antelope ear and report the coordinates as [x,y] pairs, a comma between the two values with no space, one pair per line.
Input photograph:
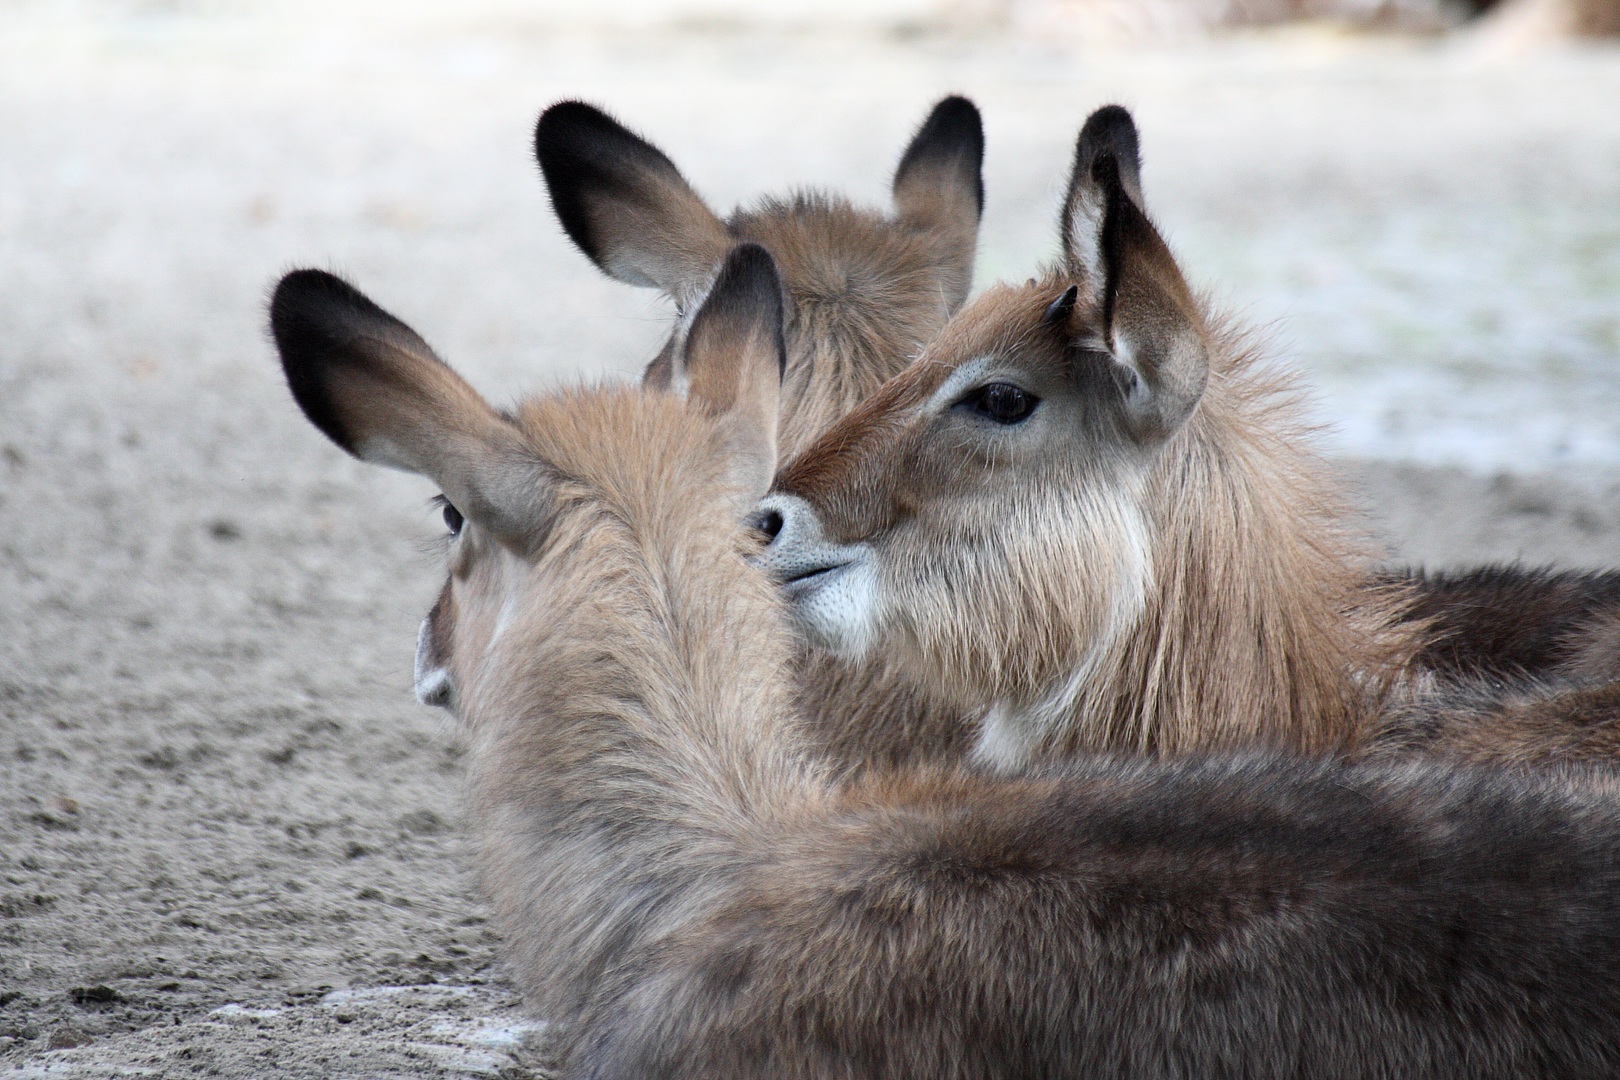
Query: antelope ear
[624,204]
[939,186]
[734,357]
[376,389]
[1151,323]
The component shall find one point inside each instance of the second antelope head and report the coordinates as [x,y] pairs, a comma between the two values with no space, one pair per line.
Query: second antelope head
[864,291]
[522,489]
[1047,518]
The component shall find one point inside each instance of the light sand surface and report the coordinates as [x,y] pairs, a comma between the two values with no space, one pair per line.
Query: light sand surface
[230,840]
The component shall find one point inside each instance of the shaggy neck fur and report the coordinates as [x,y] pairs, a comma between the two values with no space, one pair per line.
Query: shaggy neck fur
[1258,627]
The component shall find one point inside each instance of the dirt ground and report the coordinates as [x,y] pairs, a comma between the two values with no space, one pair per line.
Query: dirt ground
[230,840]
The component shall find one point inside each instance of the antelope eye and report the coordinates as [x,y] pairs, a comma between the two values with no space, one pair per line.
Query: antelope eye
[1002,402]
[452,518]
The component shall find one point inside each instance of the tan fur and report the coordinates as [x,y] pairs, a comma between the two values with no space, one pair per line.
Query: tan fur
[865,292]
[687,891]
[638,729]
[1256,627]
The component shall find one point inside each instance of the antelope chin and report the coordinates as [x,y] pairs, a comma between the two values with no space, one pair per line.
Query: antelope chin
[837,605]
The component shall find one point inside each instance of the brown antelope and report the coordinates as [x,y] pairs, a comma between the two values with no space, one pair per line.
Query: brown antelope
[864,291]
[687,891]
[1090,515]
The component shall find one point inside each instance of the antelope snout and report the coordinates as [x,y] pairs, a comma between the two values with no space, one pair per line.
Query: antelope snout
[795,550]
[832,586]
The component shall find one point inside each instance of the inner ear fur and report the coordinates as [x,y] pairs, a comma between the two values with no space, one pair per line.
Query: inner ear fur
[374,387]
[734,356]
[939,185]
[624,204]
[1151,323]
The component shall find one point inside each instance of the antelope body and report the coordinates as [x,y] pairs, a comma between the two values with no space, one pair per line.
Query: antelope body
[688,889]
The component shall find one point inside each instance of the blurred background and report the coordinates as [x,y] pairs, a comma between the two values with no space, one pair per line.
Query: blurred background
[1421,198]
[227,830]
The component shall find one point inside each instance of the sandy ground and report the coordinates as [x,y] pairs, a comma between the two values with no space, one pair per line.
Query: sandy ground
[230,841]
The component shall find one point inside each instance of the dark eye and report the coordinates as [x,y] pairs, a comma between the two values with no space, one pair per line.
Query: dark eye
[452,517]
[1002,402]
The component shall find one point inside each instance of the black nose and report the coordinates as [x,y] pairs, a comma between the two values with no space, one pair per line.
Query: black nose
[768,522]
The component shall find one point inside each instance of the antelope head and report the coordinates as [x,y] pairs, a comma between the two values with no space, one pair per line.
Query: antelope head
[536,500]
[983,515]
[864,291]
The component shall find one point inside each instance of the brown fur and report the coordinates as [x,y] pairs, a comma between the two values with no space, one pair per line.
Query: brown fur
[865,290]
[1528,723]
[1511,622]
[998,554]
[687,892]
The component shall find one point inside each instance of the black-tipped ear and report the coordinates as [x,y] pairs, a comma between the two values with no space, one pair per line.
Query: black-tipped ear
[939,188]
[372,386]
[321,325]
[624,203]
[946,152]
[1110,132]
[734,358]
[743,312]
[1150,322]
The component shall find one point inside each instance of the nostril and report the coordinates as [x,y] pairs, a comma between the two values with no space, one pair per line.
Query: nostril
[768,522]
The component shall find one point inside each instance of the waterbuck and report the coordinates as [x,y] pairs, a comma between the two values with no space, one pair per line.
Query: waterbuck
[863,292]
[686,890]
[1089,515]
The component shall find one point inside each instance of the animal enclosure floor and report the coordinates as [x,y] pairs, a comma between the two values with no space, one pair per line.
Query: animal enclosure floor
[230,840]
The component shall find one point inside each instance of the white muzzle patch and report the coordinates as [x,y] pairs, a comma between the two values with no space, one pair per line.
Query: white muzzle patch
[833,588]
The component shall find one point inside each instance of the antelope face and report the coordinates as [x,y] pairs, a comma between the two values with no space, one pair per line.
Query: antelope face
[984,516]
[526,494]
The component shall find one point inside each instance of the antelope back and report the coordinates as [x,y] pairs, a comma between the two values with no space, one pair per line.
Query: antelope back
[864,291]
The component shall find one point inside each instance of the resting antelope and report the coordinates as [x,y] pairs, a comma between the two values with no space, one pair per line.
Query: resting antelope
[1088,514]
[863,293]
[687,891]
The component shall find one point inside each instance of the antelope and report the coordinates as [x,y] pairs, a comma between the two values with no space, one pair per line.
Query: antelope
[1091,516]
[864,291]
[688,889]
